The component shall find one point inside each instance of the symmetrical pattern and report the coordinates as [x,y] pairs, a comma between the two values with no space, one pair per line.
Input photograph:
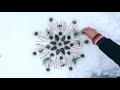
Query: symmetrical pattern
[60,45]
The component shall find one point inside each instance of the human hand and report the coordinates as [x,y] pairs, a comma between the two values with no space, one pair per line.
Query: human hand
[89,32]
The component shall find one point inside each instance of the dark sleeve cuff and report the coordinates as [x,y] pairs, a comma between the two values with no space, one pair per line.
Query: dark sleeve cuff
[99,42]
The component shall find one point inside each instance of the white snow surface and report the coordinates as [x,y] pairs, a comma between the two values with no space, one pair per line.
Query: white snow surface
[17,43]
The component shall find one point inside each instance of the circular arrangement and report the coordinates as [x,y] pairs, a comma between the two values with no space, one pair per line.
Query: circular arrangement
[60,45]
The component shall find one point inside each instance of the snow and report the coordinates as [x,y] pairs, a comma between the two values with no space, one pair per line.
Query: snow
[17,44]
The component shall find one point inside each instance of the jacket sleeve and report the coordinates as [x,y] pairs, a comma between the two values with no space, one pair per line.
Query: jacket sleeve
[111,49]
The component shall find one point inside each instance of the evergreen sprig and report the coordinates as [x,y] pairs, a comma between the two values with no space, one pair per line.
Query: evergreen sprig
[74,60]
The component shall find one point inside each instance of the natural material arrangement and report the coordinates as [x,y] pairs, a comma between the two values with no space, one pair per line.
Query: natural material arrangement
[60,45]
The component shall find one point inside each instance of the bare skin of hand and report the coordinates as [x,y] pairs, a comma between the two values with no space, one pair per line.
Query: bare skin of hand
[89,32]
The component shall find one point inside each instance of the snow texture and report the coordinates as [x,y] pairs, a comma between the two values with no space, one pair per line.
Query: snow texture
[17,43]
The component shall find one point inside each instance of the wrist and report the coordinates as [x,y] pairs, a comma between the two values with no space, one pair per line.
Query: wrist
[96,38]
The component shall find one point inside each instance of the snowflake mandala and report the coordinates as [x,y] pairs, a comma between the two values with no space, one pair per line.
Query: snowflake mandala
[60,45]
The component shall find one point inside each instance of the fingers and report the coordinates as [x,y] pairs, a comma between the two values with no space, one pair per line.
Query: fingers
[85,29]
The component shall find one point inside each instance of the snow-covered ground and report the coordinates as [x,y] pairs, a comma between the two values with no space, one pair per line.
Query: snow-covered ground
[17,44]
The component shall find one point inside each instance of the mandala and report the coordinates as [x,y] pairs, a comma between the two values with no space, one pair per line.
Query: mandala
[59,45]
